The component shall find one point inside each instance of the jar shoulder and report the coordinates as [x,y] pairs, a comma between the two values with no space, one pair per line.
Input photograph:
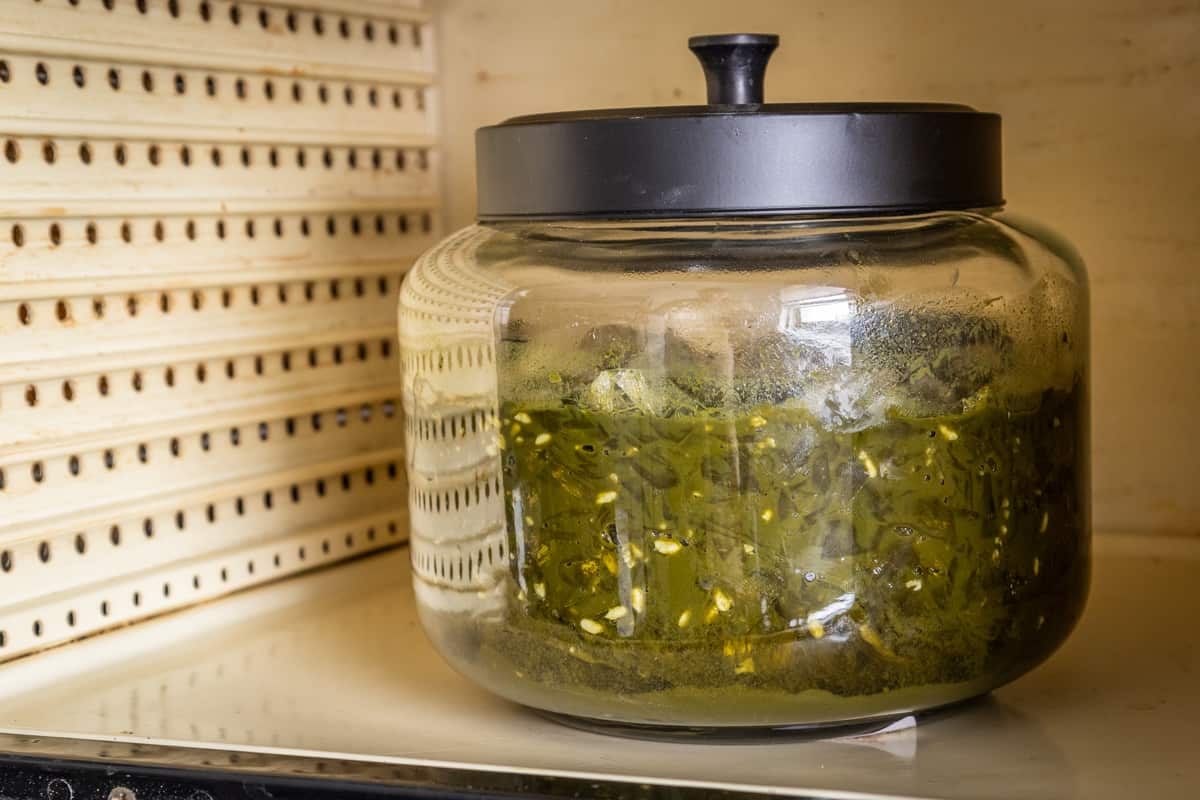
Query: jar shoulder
[1001,252]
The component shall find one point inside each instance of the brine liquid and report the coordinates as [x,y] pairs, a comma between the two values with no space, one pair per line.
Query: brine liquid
[705,566]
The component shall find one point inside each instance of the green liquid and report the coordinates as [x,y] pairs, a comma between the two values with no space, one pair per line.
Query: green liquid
[739,569]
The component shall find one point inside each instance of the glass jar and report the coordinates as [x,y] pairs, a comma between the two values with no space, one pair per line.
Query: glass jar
[729,466]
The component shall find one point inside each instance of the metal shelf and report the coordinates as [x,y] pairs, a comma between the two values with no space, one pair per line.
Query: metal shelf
[325,681]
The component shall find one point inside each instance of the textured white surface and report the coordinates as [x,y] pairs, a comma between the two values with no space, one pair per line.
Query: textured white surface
[335,663]
[205,213]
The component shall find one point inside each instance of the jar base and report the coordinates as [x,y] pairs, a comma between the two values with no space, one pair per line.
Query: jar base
[752,734]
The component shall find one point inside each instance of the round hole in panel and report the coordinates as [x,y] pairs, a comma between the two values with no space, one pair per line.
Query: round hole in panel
[93,234]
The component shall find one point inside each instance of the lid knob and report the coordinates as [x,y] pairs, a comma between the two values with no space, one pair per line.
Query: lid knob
[734,65]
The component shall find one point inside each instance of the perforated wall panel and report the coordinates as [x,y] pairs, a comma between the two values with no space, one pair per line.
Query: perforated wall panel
[206,208]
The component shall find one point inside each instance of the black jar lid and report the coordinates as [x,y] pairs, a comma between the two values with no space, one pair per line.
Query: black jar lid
[739,156]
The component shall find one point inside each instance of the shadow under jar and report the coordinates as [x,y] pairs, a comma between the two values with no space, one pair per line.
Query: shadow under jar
[776,429]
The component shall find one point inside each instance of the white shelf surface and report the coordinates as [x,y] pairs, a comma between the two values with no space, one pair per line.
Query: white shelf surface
[334,665]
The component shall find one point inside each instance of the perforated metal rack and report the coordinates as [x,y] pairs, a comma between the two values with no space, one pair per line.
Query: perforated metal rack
[206,209]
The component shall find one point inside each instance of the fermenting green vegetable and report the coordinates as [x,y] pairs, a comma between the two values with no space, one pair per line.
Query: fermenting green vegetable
[764,551]
[765,557]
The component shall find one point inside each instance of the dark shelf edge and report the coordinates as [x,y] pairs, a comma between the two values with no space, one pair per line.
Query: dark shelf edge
[82,769]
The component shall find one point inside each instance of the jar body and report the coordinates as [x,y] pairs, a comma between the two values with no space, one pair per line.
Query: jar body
[748,473]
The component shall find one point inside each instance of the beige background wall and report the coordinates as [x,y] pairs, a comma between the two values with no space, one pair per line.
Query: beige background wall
[1101,105]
